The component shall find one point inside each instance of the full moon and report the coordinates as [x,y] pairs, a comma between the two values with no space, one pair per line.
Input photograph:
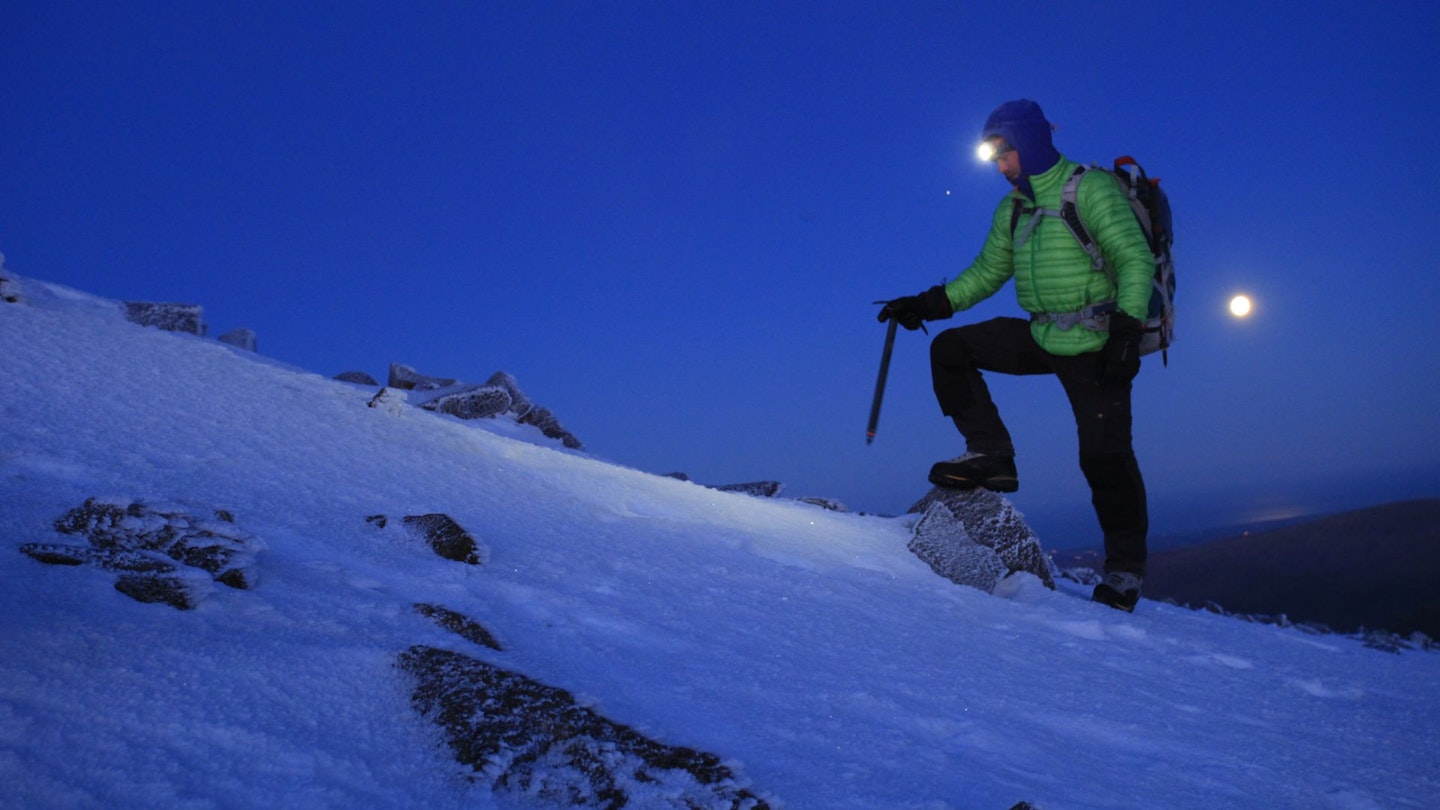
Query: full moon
[1239,306]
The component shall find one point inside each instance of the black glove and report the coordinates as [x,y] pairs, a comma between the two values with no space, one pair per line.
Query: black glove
[931,305]
[1120,357]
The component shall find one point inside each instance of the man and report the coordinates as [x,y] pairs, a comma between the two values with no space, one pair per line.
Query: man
[1084,327]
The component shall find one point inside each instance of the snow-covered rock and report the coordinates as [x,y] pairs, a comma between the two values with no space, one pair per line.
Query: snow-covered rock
[975,537]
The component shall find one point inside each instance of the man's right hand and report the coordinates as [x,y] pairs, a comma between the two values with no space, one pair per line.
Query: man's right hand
[910,311]
[905,311]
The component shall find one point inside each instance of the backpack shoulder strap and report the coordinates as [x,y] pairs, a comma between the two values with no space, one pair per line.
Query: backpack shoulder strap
[1070,215]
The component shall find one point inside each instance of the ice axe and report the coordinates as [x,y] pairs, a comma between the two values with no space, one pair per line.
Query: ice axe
[884,371]
[880,383]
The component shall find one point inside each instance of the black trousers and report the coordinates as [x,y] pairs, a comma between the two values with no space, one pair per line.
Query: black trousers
[1102,420]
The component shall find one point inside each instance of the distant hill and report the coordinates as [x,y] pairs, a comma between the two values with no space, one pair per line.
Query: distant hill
[1375,568]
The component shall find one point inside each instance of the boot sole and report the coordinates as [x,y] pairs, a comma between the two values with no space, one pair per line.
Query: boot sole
[992,484]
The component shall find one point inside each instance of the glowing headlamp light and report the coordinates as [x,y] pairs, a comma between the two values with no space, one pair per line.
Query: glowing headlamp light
[993,149]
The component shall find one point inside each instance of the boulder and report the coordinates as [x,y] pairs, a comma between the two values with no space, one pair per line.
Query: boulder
[447,538]
[444,536]
[975,537]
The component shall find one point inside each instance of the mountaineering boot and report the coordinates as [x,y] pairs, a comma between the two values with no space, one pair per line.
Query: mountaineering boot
[1119,590]
[995,473]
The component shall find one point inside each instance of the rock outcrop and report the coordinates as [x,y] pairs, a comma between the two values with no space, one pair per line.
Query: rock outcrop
[170,317]
[496,397]
[537,742]
[163,555]
[759,489]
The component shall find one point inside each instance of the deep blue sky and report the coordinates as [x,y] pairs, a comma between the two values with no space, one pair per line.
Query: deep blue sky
[669,220]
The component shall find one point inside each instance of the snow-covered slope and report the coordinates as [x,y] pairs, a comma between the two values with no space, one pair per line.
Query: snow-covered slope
[825,663]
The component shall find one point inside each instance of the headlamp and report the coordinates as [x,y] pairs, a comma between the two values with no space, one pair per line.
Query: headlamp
[993,149]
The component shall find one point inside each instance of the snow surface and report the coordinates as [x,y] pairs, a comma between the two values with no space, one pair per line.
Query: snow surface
[826,664]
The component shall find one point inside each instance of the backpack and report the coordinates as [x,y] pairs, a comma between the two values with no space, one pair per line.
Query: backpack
[1152,210]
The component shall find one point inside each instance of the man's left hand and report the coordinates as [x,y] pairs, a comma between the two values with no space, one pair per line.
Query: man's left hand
[1120,357]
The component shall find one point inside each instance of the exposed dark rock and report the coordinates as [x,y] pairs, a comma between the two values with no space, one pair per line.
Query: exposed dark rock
[408,379]
[535,741]
[356,377]
[110,559]
[825,503]
[975,537]
[157,554]
[763,489]
[9,290]
[459,624]
[241,338]
[169,317]
[760,489]
[444,536]
[447,538]
[151,589]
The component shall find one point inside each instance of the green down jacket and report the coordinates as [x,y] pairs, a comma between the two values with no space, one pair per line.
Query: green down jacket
[1052,272]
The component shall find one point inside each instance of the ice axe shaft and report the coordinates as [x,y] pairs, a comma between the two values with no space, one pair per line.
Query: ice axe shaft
[880,383]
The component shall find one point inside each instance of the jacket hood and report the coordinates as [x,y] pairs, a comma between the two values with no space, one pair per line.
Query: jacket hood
[1023,125]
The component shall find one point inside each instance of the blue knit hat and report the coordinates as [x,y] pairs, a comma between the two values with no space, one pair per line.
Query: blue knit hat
[1022,124]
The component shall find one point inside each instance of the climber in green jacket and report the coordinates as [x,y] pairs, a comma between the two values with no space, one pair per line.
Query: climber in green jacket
[1084,327]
